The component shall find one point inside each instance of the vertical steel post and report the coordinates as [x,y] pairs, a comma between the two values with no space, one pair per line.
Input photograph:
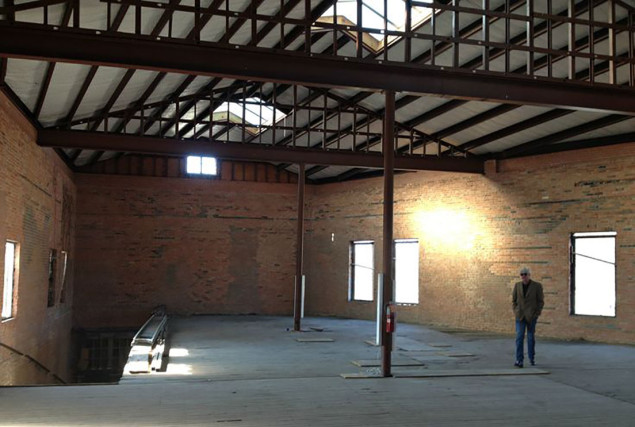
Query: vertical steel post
[297,306]
[529,42]
[456,33]
[360,35]
[612,49]
[571,53]
[485,35]
[388,150]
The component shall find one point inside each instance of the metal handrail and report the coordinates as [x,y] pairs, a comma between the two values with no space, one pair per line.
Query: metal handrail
[147,335]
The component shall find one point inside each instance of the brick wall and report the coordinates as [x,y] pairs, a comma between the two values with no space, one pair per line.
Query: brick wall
[37,197]
[475,232]
[195,245]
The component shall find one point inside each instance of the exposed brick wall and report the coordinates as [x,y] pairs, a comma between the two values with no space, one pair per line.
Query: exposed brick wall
[195,245]
[37,198]
[475,232]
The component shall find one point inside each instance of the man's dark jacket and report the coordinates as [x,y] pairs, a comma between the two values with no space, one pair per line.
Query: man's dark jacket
[528,306]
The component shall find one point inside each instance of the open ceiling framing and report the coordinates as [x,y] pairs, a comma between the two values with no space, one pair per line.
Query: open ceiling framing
[475,79]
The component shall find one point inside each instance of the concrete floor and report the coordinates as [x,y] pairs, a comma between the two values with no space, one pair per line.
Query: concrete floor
[251,371]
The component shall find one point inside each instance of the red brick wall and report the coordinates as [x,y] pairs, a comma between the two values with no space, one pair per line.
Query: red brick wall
[195,245]
[37,198]
[475,232]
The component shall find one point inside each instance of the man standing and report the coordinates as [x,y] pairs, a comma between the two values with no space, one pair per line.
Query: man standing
[527,301]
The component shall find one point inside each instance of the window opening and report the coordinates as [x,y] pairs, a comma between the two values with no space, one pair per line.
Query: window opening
[362,270]
[407,271]
[201,165]
[593,273]
[52,273]
[9,279]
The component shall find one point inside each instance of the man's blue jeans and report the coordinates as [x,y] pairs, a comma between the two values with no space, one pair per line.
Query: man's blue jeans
[521,325]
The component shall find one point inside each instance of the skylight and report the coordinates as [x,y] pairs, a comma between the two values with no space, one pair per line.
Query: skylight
[256,112]
[373,14]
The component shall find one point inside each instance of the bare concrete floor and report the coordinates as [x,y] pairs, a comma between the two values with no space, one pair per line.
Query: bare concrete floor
[252,371]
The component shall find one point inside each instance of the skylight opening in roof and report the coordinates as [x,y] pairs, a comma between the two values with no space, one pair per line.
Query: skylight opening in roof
[373,15]
[256,112]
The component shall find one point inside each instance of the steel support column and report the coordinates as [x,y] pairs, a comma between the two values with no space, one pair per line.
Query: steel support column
[297,307]
[389,162]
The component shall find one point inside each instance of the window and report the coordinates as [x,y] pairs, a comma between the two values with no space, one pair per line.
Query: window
[362,270]
[52,273]
[593,274]
[199,165]
[407,271]
[9,279]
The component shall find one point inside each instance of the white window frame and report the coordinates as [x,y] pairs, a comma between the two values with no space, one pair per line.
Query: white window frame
[406,273]
[201,165]
[593,281]
[10,268]
[361,272]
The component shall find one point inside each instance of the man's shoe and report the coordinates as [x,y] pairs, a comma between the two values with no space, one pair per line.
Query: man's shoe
[533,362]
[518,364]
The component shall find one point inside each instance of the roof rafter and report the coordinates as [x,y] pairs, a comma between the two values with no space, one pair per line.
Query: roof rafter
[152,145]
[562,135]
[515,128]
[121,13]
[269,65]
[46,82]
[583,143]
[259,36]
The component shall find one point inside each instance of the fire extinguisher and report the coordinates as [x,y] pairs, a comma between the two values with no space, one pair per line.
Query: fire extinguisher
[390,319]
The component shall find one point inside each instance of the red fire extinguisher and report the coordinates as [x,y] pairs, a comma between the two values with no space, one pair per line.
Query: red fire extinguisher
[390,319]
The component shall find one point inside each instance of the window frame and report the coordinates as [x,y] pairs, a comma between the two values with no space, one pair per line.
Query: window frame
[572,270]
[201,174]
[352,277]
[11,292]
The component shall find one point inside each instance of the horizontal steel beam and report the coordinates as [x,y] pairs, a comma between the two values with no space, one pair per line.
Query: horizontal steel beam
[39,42]
[251,152]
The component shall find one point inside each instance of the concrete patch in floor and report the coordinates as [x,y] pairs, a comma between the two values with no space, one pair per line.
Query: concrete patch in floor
[430,358]
[393,362]
[361,375]
[469,372]
[455,354]
[314,339]
[408,344]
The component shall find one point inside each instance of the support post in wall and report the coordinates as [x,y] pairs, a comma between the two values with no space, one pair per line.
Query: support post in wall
[388,149]
[298,300]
